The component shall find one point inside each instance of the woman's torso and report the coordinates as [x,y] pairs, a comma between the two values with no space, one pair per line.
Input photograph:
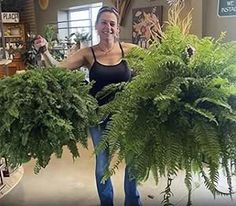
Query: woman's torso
[105,74]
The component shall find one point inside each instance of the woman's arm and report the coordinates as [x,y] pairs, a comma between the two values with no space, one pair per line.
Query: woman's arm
[49,60]
[73,61]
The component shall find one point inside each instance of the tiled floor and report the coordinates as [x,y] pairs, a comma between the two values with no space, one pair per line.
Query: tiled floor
[69,183]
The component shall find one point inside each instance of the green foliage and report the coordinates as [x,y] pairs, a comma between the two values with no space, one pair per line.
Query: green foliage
[179,113]
[49,32]
[80,37]
[42,111]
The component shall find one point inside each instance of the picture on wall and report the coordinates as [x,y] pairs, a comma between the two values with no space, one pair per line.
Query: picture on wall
[147,23]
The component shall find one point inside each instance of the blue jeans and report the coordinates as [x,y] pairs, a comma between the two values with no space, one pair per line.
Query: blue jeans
[105,191]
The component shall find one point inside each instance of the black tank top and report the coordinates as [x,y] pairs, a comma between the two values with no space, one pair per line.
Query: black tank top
[104,75]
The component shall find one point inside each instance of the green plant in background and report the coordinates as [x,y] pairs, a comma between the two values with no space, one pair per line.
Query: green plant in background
[50,34]
[32,58]
[42,111]
[80,37]
[76,40]
[179,113]
[69,40]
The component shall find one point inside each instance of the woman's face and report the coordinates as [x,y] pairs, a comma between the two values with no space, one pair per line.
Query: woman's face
[107,26]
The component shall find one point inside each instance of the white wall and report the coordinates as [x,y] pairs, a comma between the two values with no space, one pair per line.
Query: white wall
[213,25]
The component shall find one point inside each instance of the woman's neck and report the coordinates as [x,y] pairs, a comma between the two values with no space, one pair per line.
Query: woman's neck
[107,43]
[106,46]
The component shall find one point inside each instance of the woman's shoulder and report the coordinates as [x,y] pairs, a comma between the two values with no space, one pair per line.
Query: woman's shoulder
[78,58]
[85,50]
[127,46]
[84,53]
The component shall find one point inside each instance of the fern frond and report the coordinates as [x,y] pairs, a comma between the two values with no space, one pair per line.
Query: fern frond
[207,139]
[216,102]
[211,184]
[202,112]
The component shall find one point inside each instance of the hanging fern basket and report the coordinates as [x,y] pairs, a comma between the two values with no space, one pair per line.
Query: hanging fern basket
[42,111]
[179,113]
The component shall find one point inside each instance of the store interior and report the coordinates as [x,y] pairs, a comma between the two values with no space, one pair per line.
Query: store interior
[68,181]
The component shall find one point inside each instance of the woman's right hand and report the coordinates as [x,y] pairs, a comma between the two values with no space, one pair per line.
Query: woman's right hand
[40,44]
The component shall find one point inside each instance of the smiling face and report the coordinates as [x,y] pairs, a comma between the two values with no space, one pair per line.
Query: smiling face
[107,26]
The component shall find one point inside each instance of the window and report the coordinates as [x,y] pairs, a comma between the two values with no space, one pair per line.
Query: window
[78,19]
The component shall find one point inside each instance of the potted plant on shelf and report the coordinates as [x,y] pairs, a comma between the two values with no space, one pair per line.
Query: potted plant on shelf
[15,50]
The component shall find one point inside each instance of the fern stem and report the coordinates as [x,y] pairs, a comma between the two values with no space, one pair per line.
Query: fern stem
[167,192]
[189,203]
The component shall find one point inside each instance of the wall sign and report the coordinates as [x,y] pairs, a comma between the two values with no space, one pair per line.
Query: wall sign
[226,8]
[10,17]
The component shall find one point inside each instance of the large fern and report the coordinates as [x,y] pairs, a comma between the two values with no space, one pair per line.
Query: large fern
[42,111]
[179,113]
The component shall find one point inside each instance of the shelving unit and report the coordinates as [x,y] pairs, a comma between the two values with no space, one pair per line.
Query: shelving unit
[14,36]
[14,32]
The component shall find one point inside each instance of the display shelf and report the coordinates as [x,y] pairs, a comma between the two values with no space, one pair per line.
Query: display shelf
[14,32]
[13,36]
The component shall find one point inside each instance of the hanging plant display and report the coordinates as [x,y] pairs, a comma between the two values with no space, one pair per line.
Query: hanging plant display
[42,111]
[179,113]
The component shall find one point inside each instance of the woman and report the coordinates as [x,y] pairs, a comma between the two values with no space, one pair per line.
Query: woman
[106,66]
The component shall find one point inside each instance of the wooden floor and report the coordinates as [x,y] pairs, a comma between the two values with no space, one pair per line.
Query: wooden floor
[69,183]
